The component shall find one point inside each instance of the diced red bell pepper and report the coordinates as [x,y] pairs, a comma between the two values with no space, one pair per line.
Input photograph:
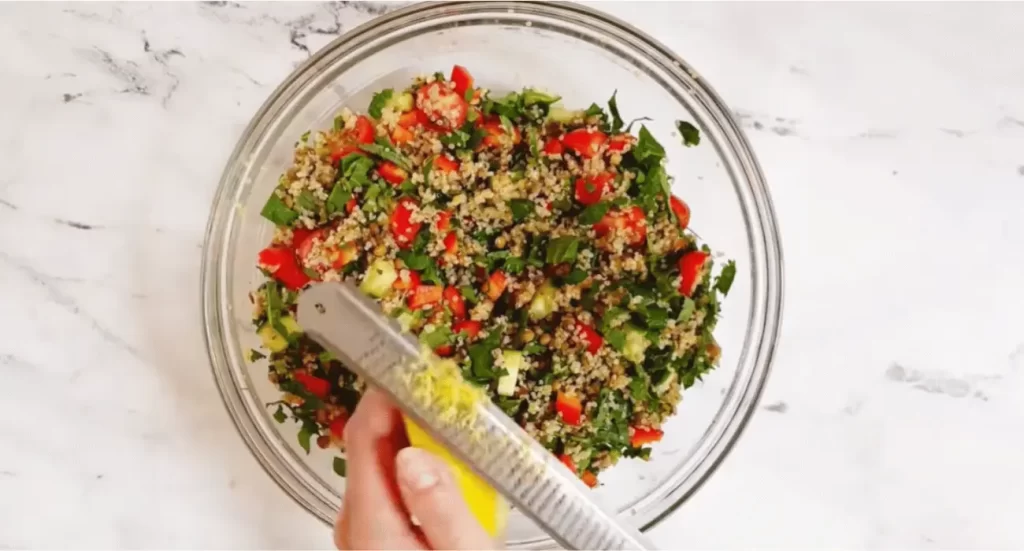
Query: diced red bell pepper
[281,263]
[691,268]
[642,436]
[401,135]
[453,299]
[444,163]
[315,385]
[590,337]
[569,407]
[590,190]
[586,143]
[391,173]
[442,105]
[462,79]
[412,118]
[351,205]
[619,142]
[363,130]
[553,147]
[630,221]
[425,295]
[406,282]
[589,478]
[495,285]
[682,211]
[451,243]
[402,227]
[337,426]
[568,462]
[444,220]
[496,135]
[470,327]
[445,350]
[299,236]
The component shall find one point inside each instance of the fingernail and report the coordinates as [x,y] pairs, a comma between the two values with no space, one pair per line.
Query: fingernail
[416,469]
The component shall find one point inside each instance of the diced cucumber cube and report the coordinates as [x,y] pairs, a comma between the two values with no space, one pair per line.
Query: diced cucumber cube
[379,278]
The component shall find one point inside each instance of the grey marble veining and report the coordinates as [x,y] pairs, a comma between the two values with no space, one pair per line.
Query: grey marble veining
[892,136]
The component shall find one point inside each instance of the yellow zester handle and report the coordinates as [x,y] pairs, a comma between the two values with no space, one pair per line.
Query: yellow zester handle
[487,505]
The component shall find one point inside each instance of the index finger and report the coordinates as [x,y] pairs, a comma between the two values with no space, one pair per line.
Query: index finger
[372,512]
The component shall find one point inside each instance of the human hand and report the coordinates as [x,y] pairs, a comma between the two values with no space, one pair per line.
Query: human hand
[388,481]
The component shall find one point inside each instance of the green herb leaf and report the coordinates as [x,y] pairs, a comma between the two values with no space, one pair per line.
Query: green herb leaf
[638,453]
[533,138]
[415,261]
[457,139]
[534,348]
[306,201]
[279,415]
[515,265]
[562,249]
[613,108]
[274,308]
[636,120]
[380,99]
[648,151]
[724,281]
[441,335]
[325,357]
[507,124]
[689,133]
[481,359]
[594,110]
[340,466]
[594,213]
[616,339]
[277,212]
[686,312]
[304,436]
[535,97]
[510,106]
[256,355]
[469,293]
[576,276]
[388,154]
[521,209]
[338,198]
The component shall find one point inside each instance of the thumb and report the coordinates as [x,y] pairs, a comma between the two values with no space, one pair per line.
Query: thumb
[432,495]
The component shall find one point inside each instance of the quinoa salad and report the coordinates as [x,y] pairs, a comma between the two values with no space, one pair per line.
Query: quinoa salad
[538,247]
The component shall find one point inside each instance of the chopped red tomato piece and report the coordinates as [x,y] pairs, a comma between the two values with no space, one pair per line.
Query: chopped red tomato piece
[363,131]
[590,190]
[619,142]
[337,426]
[425,295]
[470,327]
[586,143]
[442,105]
[631,222]
[299,236]
[590,337]
[495,285]
[496,135]
[391,173]
[643,436]
[462,79]
[553,147]
[451,243]
[402,227]
[351,205]
[568,462]
[315,385]
[682,211]
[304,242]
[570,408]
[445,350]
[412,118]
[444,163]
[454,301]
[281,264]
[444,220]
[691,268]
[342,255]
[341,150]
[406,280]
[401,135]
[589,478]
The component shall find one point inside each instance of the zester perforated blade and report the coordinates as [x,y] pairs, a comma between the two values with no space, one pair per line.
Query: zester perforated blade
[351,326]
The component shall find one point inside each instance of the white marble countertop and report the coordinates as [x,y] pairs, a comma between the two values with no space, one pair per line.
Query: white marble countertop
[893,140]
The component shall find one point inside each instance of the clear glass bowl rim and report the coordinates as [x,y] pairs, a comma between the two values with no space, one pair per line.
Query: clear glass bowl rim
[764,317]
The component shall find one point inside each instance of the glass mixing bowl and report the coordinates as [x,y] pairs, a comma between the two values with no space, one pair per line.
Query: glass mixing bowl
[583,55]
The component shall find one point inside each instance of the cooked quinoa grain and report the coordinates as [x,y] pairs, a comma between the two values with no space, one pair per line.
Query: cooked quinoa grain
[537,247]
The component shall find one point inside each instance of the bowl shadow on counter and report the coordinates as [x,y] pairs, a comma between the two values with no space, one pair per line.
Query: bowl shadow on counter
[227,482]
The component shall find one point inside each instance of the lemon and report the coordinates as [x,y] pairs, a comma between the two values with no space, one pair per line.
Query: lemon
[486,504]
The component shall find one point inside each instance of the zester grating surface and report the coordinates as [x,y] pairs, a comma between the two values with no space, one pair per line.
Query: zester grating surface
[350,325]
